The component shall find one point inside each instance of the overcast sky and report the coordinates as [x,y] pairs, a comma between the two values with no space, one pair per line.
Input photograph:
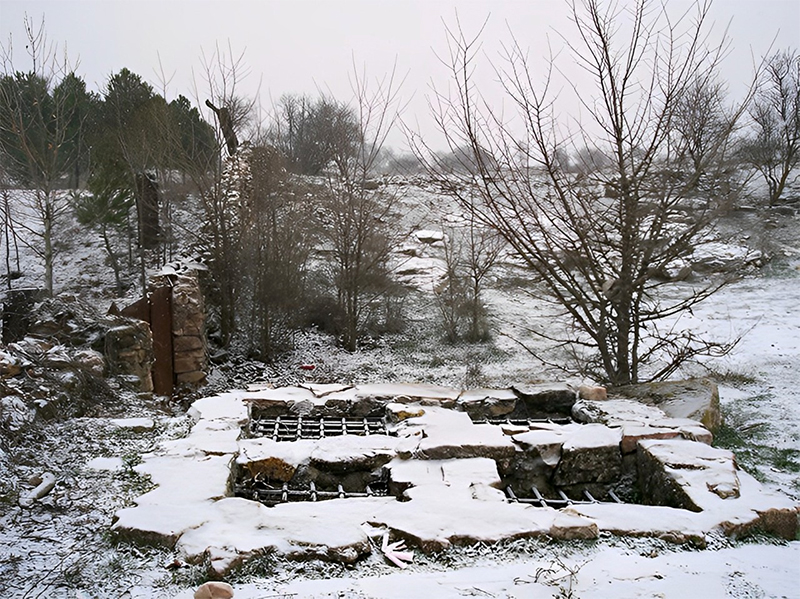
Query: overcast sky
[301,46]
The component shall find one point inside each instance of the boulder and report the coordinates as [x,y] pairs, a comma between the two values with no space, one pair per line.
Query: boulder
[592,393]
[214,590]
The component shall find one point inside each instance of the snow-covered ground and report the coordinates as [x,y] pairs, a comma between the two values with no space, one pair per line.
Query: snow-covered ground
[61,547]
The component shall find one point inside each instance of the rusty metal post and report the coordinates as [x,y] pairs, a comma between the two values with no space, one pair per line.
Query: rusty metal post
[161,326]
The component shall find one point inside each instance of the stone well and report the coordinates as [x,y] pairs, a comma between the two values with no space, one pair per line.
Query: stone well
[435,466]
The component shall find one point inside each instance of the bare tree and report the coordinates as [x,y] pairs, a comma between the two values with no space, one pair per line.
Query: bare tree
[359,221]
[311,133]
[471,251]
[277,239]
[700,120]
[222,183]
[35,125]
[601,259]
[774,150]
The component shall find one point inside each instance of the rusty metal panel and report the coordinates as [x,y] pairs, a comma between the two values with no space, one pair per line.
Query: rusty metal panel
[140,310]
[161,326]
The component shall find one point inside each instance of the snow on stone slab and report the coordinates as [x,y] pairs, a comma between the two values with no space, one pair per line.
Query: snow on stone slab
[697,433]
[134,424]
[493,403]
[667,523]
[407,392]
[107,464]
[329,530]
[223,406]
[434,521]
[274,459]
[450,434]
[471,395]
[633,433]
[185,480]
[455,474]
[592,436]
[161,524]
[353,452]
[471,471]
[686,474]
[281,395]
[416,473]
[547,443]
[616,412]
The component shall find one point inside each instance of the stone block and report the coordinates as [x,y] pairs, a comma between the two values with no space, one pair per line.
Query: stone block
[633,433]
[685,474]
[590,455]
[190,361]
[487,403]
[187,343]
[544,400]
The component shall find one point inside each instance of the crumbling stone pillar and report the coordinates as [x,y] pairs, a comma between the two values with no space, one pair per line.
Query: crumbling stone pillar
[190,362]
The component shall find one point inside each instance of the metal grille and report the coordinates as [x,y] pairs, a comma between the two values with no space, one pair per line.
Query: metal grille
[561,501]
[524,421]
[291,429]
[271,495]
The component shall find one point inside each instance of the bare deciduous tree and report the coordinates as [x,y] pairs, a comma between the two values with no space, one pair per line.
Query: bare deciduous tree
[277,239]
[774,150]
[599,244]
[36,125]
[471,251]
[359,221]
[220,182]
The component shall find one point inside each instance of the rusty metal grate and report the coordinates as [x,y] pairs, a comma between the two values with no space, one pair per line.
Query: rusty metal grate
[274,494]
[561,501]
[291,429]
[524,421]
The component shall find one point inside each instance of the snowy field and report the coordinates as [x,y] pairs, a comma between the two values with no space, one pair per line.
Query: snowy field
[61,547]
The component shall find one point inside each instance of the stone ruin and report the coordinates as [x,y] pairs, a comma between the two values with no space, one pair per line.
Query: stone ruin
[324,471]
